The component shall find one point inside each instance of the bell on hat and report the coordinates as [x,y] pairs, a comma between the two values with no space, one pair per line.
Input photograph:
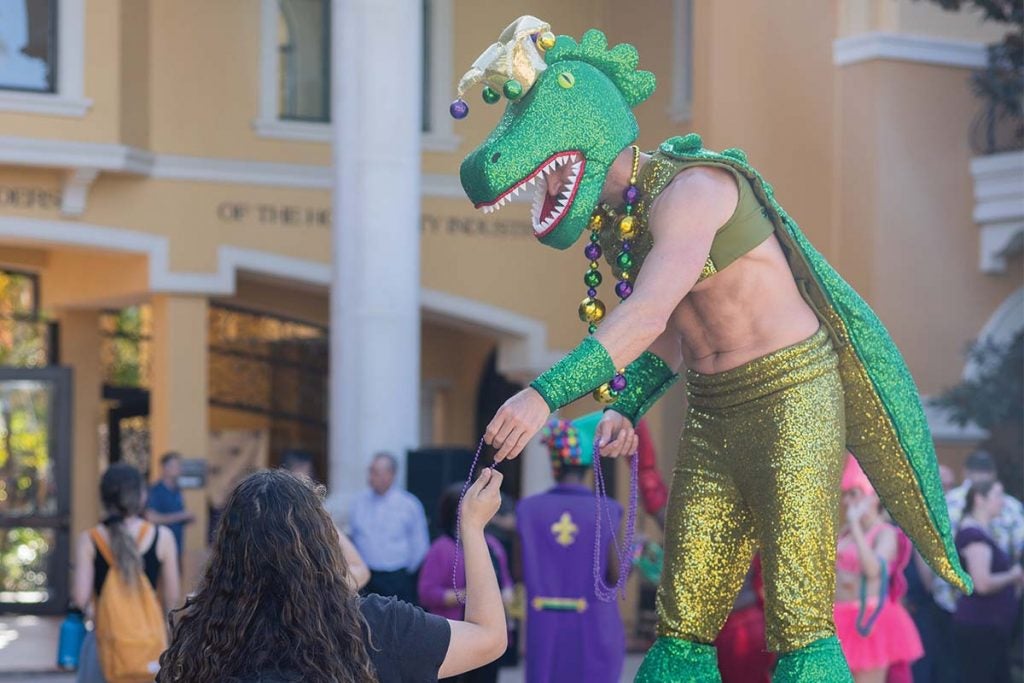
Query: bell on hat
[510,66]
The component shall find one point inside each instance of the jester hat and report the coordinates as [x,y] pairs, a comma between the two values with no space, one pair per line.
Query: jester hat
[571,443]
[568,103]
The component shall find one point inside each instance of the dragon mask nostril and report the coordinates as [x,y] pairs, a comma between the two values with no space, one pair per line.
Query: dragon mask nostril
[495,157]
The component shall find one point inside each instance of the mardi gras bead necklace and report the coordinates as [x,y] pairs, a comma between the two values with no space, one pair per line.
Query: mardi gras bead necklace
[624,550]
[592,310]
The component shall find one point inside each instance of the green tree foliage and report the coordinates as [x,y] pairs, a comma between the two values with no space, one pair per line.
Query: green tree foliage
[1001,82]
[994,400]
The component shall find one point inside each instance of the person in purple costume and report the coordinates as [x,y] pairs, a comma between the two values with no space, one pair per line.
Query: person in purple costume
[570,634]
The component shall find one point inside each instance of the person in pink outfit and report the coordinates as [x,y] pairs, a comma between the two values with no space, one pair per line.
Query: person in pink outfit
[436,592]
[874,629]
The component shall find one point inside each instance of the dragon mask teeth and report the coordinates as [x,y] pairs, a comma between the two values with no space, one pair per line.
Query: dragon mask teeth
[569,111]
[547,209]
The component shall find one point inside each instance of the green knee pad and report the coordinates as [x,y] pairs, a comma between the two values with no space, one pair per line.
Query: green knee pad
[820,662]
[679,661]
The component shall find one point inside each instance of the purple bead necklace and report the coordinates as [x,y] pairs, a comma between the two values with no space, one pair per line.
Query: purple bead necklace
[592,310]
[459,594]
[624,551]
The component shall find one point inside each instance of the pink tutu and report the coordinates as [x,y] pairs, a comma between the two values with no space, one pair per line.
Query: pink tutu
[892,639]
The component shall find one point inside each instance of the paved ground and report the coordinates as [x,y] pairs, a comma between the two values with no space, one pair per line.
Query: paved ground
[507,675]
[28,646]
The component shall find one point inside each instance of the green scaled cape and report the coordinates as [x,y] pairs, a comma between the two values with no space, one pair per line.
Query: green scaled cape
[885,425]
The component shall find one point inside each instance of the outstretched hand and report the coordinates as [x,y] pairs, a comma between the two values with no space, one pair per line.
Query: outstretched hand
[516,422]
[482,500]
[615,435]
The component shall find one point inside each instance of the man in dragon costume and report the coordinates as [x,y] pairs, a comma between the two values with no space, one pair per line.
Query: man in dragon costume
[786,366]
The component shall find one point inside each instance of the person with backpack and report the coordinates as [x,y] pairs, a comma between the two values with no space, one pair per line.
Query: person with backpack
[126,576]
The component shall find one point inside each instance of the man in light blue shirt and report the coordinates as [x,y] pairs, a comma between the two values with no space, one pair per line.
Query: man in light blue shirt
[389,528]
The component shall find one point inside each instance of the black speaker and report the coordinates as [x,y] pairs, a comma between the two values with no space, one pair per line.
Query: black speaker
[430,471]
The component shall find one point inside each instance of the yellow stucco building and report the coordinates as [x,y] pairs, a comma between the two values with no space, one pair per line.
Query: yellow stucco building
[166,213]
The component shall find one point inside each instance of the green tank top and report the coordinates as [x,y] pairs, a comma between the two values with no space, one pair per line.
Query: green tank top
[748,226]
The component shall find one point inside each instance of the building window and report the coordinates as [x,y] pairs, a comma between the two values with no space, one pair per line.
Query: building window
[296,80]
[28,45]
[425,102]
[273,369]
[304,60]
[42,57]
[126,351]
[126,346]
[26,338]
[681,108]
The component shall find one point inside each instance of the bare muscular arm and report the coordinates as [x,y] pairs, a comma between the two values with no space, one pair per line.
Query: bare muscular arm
[683,223]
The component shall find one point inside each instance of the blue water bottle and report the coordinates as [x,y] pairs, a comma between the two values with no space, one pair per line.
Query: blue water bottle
[72,633]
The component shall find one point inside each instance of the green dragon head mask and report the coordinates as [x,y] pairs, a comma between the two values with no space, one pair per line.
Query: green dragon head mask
[568,103]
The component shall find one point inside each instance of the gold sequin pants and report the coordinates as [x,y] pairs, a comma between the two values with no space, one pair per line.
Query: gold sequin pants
[758,469]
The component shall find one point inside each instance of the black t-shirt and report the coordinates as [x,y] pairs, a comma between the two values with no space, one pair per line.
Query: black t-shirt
[405,644]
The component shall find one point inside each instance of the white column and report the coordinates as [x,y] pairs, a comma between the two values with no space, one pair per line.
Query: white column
[375,320]
[537,476]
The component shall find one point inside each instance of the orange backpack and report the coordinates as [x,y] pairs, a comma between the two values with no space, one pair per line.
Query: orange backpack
[130,630]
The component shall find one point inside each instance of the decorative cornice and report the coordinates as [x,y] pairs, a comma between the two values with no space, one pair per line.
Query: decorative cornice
[238,171]
[19,151]
[113,158]
[944,429]
[998,187]
[522,340]
[296,131]
[908,48]
[44,103]
[998,207]
[76,190]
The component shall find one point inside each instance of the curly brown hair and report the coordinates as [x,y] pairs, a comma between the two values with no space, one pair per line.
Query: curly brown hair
[275,597]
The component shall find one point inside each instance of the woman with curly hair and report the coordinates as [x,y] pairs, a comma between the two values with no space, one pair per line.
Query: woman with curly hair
[276,605]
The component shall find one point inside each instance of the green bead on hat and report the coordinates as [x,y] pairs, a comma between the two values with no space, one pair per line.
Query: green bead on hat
[490,95]
[513,89]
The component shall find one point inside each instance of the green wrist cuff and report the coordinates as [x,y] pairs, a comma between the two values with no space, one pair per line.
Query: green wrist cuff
[585,368]
[647,378]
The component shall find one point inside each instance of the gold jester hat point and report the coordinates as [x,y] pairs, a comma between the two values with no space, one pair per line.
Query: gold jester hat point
[515,57]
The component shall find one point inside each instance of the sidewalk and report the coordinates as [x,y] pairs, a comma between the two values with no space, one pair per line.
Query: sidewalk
[28,649]
[28,645]
[507,675]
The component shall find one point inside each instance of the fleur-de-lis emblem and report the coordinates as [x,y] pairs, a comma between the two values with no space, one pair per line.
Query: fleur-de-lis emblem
[564,530]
